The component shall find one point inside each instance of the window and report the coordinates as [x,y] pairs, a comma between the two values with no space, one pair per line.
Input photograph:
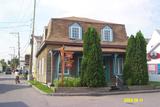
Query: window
[66,70]
[158,68]
[120,66]
[152,68]
[107,34]
[42,66]
[75,31]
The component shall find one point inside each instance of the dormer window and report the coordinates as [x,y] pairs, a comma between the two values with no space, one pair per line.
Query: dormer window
[75,31]
[107,34]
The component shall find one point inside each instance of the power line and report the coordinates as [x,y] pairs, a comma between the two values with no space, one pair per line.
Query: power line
[26,9]
[15,22]
[9,27]
[25,46]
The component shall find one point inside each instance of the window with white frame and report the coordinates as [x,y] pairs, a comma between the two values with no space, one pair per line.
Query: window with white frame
[66,71]
[75,31]
[152,68]
[107,34]
[120,66]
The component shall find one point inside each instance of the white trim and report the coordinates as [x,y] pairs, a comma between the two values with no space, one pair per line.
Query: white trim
[42,66]
[78,65]
[77,26]
[68,72]
[107,28]
[118,66]
[79,35]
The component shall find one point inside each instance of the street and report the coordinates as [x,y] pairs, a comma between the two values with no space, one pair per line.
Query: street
[21,95]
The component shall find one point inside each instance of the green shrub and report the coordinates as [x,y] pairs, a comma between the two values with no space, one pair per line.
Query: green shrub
[129,82]
[68,82]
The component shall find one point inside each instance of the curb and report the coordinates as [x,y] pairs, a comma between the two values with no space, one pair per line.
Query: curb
[41,92]
[106,93]
[96,94]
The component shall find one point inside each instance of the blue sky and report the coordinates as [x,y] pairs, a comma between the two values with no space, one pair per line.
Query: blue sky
[16,16]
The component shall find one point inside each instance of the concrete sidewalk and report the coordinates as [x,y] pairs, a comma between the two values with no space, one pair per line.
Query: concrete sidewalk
[106,93]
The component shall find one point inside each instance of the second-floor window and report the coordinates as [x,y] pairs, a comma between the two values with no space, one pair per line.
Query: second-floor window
[107,34]
[75,31]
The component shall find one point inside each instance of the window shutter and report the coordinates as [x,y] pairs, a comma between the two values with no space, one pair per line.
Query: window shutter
[70,32]
[111,35]
[158,68]
[102,35]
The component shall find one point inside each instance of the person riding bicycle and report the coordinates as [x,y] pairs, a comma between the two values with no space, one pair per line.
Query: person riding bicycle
[17,77]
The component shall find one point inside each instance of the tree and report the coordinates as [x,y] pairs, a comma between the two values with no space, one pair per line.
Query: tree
[14,62]
[141,61]
[135,67]
[129,61]
[92,73]
[4,64]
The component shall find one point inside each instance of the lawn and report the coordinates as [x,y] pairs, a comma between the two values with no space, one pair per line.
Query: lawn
[154,83]
[40,86]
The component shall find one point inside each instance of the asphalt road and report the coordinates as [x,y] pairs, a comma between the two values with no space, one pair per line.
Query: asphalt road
[21,95]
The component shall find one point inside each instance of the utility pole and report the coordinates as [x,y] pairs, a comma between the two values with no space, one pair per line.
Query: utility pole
[17,33]
[32,41]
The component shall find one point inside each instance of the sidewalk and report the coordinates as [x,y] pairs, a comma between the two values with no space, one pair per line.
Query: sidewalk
[107,93]
[68,91]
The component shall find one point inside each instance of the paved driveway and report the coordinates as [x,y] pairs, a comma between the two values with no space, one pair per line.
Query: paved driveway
[21,95]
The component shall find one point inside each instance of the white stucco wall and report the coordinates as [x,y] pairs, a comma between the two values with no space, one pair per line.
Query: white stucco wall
[155,39]
[36,46]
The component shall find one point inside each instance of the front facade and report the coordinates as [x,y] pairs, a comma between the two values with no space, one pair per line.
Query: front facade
[36,44]
[67,33]
[153,53]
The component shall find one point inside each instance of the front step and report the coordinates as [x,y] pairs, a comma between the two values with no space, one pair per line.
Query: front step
[114,88]
[119,88]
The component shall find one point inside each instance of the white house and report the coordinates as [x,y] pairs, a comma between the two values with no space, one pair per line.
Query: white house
[36,45]
[153,56]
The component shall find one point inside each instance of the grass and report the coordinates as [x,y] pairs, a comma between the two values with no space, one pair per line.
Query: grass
[154,83]
[41,87]
[68,82]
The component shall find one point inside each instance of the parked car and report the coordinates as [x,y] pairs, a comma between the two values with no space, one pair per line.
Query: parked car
[8,71]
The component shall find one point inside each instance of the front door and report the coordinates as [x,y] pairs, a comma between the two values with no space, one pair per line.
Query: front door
[106,64]
[107,72]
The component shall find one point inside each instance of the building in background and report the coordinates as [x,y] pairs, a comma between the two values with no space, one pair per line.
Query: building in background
[153,56]
[1,67]
[27,62]
[36,46]
[22,64]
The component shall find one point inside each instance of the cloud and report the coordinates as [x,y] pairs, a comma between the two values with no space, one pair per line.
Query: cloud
[136,15]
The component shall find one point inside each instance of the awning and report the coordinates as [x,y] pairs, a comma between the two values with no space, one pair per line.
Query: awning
[80,49]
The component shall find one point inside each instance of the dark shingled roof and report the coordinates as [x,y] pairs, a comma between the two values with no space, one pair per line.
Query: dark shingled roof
[83,19]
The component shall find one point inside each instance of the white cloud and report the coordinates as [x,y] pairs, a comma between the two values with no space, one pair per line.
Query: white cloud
[135,14]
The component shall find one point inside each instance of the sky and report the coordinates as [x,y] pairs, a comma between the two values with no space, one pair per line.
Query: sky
[16,16]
